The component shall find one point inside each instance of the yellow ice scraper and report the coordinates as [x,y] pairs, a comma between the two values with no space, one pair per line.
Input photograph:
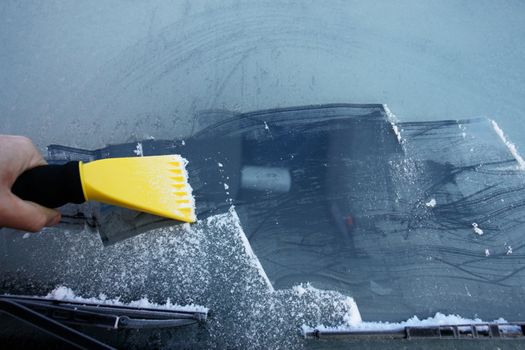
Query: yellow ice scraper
[155,184]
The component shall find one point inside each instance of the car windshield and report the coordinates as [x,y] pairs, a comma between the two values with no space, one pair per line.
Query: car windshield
[313,210]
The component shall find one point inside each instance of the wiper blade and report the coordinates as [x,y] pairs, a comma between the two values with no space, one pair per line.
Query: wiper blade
[109,316]
[515,330]
[54,316]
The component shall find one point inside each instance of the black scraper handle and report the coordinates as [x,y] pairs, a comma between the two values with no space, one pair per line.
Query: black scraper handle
[51,185]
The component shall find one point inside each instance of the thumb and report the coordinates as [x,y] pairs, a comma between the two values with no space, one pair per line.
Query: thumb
[26,215]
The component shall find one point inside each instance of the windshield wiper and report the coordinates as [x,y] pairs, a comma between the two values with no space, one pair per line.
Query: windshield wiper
[513,330]
[53,316]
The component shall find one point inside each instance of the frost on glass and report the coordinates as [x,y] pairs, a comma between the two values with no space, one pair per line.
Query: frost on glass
[400,219]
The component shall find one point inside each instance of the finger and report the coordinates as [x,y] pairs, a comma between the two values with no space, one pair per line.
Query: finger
[25,215]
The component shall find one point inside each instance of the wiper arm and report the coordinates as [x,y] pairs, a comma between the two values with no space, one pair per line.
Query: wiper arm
[109,316]
[52,316]
[56,329]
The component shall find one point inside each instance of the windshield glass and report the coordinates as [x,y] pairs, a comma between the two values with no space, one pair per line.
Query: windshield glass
[316,205]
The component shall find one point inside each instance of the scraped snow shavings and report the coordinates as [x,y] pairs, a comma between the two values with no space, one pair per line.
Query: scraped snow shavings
[138,150]
[26,235]
[66,294]
[487,252]
[431,203]
[476,229]
[438,319]
[352,316]
[393,120]
[266,126]
[510,145]
[509,250]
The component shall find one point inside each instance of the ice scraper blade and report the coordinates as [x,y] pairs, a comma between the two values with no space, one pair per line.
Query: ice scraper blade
[155,184]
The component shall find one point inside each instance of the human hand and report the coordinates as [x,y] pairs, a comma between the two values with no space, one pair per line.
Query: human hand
[18,154]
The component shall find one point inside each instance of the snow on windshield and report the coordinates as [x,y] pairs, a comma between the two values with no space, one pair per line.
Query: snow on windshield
[208,264]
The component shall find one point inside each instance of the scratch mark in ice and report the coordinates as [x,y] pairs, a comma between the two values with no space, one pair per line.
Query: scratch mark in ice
[510,145]
[468,292]
[393,120]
